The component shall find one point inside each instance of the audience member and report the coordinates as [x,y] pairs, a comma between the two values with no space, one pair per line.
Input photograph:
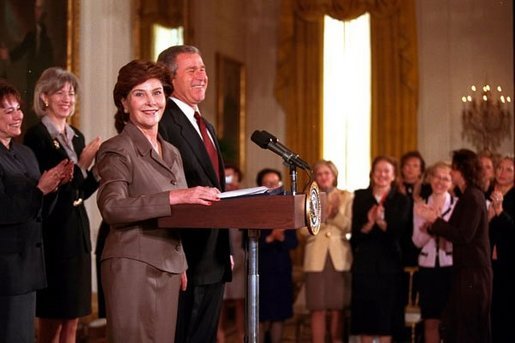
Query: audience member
[435,258]
[275,271]
[410,183]
[328,258]
[379,215]
[467,314]
[502,241]
[207,250]
[488,162]
[141,179]
[22,191]
[234,293]
[66,232]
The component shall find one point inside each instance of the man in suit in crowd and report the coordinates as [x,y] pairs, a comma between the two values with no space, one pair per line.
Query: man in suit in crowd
[207,250]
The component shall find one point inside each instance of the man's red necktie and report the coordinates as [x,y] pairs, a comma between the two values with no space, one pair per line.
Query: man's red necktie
[210,148]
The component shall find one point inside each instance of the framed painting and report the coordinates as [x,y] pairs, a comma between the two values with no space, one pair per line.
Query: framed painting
[230,109]
[35,35]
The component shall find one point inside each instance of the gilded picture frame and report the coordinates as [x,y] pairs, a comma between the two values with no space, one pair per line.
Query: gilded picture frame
[35,35]
[230,109]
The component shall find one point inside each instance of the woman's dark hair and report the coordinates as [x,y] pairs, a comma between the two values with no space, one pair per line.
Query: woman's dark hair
[468,164]
[8,91]
[413,154]
[130,75]
[261,174]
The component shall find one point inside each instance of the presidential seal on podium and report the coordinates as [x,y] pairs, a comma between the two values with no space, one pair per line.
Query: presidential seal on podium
[313,207]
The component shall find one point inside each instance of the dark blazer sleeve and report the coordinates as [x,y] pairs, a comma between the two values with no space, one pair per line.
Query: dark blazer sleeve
[467,229]
[21,251]
[464,222]
[20,199]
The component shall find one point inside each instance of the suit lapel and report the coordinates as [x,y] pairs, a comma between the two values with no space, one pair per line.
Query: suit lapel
[193,140]
[53,141]
[143,147]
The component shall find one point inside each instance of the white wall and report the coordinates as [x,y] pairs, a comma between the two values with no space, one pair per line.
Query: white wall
[244,31]
[461,43]
[105,45]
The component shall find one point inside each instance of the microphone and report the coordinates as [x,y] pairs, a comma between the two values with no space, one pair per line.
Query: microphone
[268,141]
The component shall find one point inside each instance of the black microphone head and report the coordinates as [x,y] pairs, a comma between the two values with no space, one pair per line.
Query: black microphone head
[270,136]
[260,138]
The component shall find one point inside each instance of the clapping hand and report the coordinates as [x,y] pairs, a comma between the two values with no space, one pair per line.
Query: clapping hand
[496,205]
[333,205]
[52,178]
[88,154]
[425,212]
[275,235]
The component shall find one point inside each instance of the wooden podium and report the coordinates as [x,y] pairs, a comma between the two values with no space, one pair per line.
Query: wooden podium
[251,213]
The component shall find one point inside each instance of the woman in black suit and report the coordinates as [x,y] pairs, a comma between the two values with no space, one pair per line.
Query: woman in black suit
[379,214]
[66,230]
[21,198]
[501,213]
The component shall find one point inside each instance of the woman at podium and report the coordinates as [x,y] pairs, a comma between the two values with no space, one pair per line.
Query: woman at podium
[142,178]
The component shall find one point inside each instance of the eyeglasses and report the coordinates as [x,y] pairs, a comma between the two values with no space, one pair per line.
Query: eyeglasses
[442,178]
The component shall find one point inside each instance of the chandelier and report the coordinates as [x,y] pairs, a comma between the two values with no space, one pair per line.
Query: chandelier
[486,118]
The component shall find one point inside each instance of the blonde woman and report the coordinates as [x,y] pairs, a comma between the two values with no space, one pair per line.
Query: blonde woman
[328,258]
[435,258]
[66,234]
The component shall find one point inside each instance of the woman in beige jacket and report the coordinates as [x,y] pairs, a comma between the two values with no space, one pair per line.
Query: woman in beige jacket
[328,259]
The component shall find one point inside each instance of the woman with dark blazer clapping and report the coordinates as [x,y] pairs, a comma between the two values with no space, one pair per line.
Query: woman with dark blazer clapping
[466,317]
[22,191]
[379,214]
[66,229]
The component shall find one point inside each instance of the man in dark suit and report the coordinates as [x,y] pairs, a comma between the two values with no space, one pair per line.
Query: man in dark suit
[207,250]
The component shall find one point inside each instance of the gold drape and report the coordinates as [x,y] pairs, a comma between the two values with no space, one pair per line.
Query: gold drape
[163,12]
[299,88]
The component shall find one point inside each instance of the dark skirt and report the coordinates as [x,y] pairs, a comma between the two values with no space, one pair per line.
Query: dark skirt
[17,318]
[375,306]
[467,315]
[503,302]
[328,289]
[68,294]
[275,296]
[434,285]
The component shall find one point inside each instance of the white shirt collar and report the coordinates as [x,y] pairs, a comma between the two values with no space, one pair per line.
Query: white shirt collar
[189,112]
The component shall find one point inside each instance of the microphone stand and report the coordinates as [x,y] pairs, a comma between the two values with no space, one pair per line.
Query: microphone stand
[251,264]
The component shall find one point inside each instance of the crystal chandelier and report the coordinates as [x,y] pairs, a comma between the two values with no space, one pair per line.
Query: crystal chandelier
[486,118]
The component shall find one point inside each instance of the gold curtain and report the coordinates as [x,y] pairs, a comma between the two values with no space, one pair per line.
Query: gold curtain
[149,12]
[298,86]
